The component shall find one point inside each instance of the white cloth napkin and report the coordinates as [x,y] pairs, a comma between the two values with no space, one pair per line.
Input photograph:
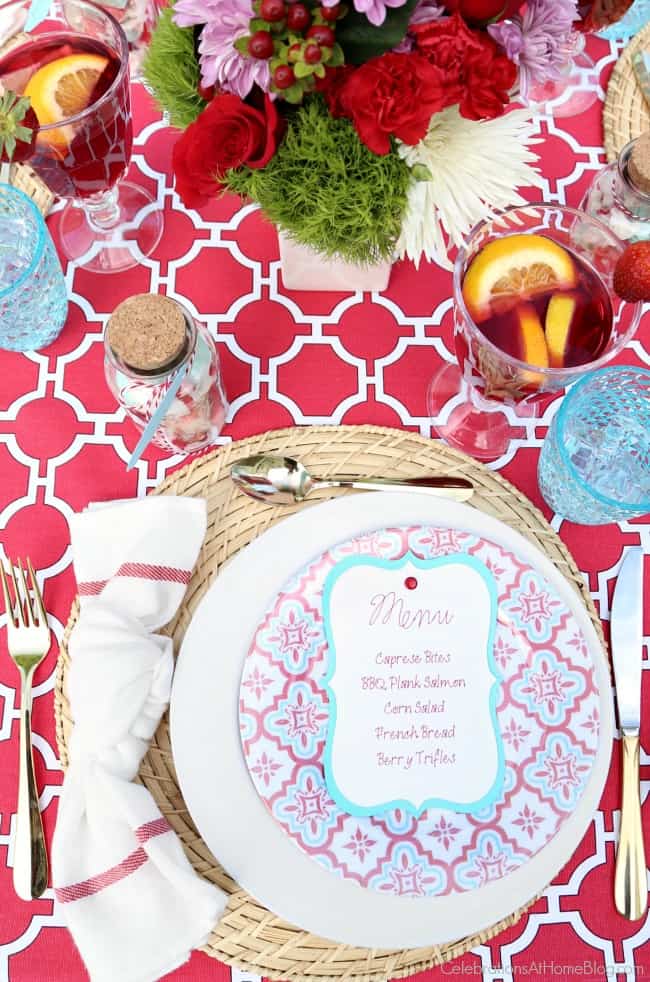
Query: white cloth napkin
[130,898]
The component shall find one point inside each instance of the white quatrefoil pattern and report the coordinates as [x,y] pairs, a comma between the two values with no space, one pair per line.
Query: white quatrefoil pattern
[287,358]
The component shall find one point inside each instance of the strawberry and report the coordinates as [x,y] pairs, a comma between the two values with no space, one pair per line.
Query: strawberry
[632,273]
[18,127]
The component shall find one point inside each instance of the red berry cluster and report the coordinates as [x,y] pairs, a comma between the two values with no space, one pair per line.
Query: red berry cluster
[297,39]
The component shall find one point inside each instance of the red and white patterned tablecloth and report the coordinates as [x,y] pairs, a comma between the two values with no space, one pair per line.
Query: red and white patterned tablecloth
[287,358]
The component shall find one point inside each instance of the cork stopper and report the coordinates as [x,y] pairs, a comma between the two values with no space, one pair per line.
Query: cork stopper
[638,165]
[147,331]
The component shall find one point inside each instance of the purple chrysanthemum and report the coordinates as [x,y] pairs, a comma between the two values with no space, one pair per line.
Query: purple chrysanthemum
[375,10]
[221,63]
[540,41]
[426,11]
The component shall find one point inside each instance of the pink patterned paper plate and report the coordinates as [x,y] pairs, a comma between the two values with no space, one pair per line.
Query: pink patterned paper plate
[547,714]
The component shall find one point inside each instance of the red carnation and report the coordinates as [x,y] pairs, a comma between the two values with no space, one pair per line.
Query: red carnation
[391,95]
[332,86]
[228,133]
[475,71]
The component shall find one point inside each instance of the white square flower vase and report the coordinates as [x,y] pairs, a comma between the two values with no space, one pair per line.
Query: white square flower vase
[305,269]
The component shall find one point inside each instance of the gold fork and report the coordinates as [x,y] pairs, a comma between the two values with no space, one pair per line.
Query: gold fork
[28,640]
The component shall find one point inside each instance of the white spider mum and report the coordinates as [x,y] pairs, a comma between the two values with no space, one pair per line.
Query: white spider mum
[475,169]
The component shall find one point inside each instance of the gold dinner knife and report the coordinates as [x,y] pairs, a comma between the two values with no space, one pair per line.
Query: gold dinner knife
[630,878]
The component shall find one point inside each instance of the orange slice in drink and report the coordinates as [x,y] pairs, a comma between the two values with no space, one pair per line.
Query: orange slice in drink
[61,89]
[532,341]
[559,320]
[532,344]
[515,267]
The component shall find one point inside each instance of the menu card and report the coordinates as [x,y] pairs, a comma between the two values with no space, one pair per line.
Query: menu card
[413,685]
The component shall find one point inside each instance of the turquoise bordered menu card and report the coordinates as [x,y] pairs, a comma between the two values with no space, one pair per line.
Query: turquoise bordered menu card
[413,685]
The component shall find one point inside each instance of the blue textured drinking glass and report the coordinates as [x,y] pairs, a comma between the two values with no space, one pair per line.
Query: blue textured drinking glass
[33,297]
[630,23]
[595,463]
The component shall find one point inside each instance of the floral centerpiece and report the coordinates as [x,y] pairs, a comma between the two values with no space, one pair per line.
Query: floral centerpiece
[365,130]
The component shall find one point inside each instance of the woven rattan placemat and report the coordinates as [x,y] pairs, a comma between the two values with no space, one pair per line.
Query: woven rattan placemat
[249,935]
[626,113]
[28,181]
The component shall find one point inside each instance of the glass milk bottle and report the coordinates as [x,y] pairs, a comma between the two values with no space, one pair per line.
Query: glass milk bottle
[620,193]
[149,342]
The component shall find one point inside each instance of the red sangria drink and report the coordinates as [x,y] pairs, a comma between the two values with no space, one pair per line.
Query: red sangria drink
[539,303]
[534,310]
[74,68]
[77,153]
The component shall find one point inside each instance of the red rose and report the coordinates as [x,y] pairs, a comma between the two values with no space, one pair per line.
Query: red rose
[474,69]
[228,133]
[392,95]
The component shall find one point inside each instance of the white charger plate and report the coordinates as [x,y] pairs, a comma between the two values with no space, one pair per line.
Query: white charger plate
[212,773]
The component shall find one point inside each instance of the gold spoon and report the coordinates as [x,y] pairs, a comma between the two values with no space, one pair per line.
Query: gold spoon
[283,480]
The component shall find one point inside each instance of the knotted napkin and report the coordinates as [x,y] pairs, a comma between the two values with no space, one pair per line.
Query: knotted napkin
[130,898]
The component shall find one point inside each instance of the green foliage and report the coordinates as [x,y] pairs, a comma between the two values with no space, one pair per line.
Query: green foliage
[171,68]
[327,190]
[361,41]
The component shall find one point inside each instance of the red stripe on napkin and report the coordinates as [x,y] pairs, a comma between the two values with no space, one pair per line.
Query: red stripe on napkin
[170,574]
[142,571]
[94,884]
[91,588]
[151,829]
[133,862]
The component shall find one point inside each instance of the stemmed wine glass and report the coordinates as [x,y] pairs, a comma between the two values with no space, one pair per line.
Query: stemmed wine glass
[577,89]
[74,66]
[138,19]
[480,404]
